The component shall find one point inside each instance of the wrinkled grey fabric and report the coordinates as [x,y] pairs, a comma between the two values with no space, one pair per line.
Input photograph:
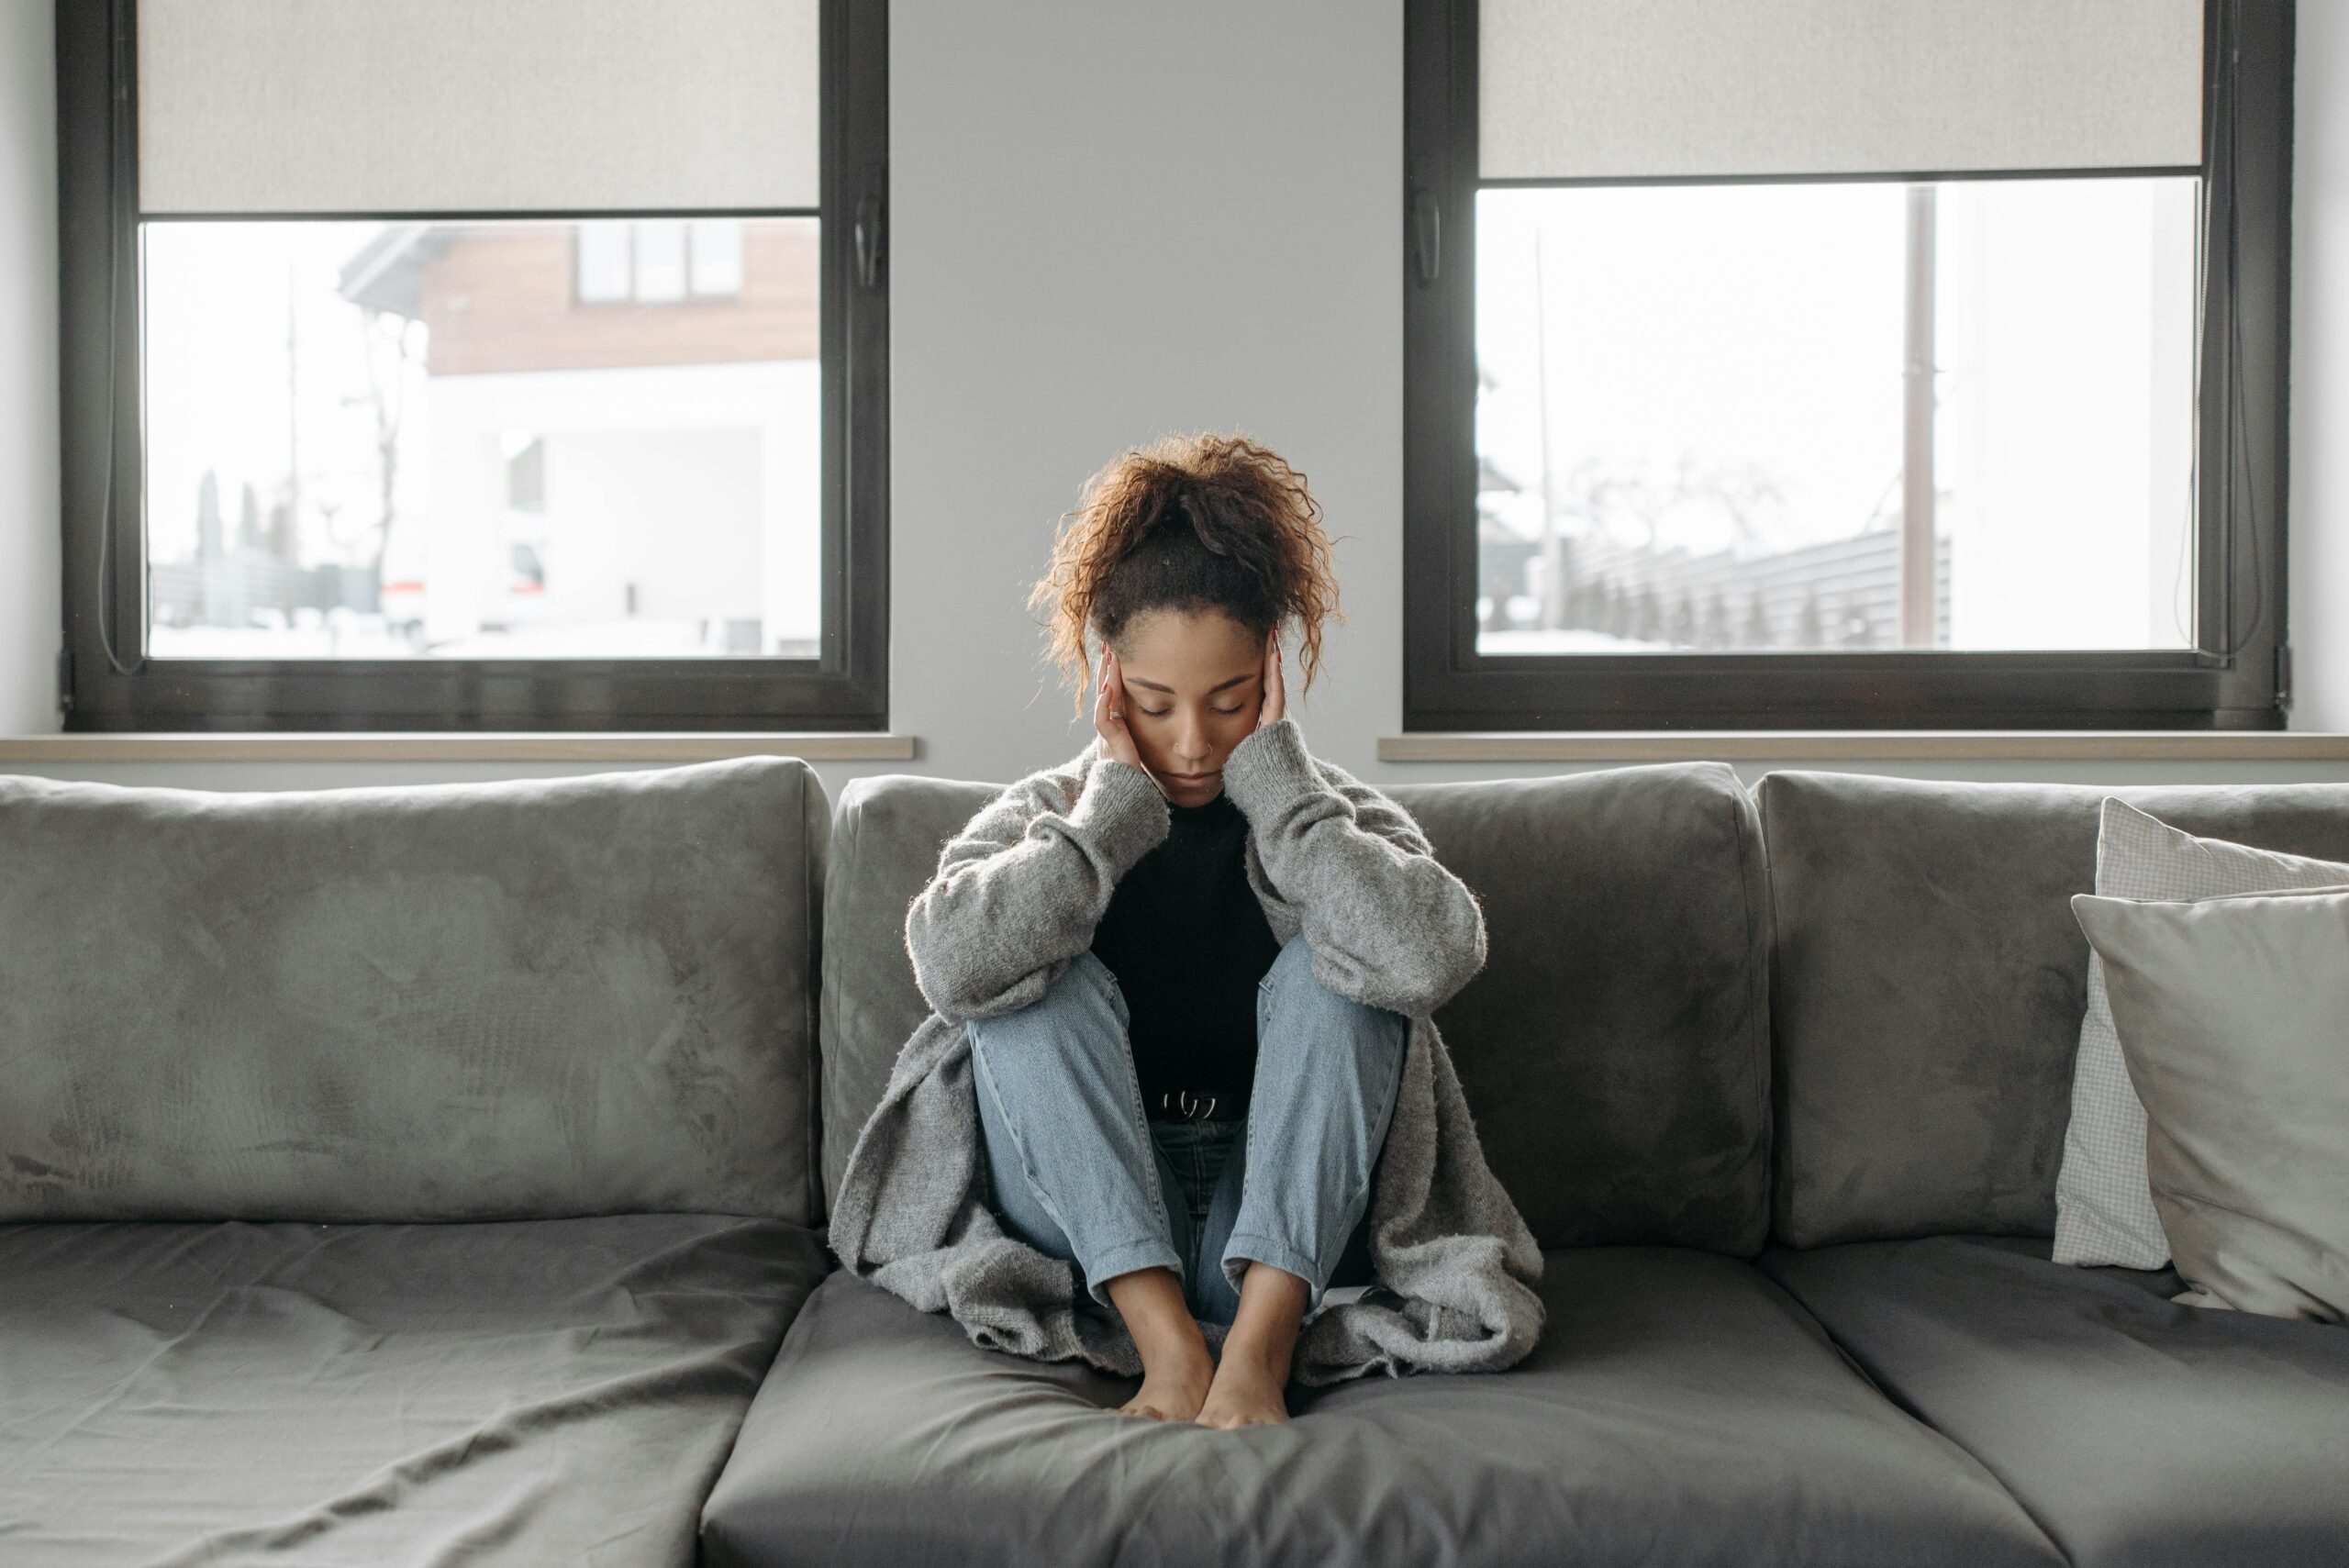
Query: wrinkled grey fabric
[518,999]
[1929,981]
[1680,1409]
[2141,1433]
[1615,1047]
[380,1396]
[1017,896]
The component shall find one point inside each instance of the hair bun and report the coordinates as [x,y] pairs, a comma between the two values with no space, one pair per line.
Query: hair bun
[1254,548]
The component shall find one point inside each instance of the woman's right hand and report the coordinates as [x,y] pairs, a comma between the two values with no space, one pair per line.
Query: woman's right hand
[1109,714]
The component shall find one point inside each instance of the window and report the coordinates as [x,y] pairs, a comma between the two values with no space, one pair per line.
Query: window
[1768,370]
[715,245]
[651,260]
[605,268]
[449,395]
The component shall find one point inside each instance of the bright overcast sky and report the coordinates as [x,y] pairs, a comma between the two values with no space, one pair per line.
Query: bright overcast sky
[216,382]
[1752,323]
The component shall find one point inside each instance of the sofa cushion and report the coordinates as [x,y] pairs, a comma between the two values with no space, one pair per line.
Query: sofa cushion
[482,1001]
[1929,981]
[1616,1045]
[2138,1432]
[1614,1050]
[2104,1205]
[2231,1012]
[546,1391]
[887,833]
[1679,1409]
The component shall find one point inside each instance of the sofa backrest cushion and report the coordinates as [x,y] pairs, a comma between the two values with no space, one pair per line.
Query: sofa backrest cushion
[1929,981]
[446,1002]
[1614,1050]
[889,830]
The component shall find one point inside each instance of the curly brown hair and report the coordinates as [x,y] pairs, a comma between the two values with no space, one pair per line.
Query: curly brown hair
[1189,523]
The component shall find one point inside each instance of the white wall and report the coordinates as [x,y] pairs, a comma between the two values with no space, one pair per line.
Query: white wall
[1132,219]
[723,459]
[2320,498]
[29,590]
[1115,220]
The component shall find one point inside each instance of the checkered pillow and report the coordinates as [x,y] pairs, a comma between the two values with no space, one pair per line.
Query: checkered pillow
[2104,1206]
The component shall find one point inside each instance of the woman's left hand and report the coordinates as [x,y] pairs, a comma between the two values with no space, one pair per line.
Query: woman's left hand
[1275,701]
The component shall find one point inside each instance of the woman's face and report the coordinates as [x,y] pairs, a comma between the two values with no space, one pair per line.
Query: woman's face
[1194,686]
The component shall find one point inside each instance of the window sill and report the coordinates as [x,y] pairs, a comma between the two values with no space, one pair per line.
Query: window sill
[500,746]
[1864,745]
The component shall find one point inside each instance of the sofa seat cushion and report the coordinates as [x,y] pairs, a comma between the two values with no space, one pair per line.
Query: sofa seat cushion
[534,1392]
[1680,1408]
[2137,1431]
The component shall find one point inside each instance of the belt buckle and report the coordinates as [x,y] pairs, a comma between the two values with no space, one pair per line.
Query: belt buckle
[1192,1107]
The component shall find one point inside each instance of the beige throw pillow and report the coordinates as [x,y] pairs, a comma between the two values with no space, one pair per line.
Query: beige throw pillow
[2233,1020]
[2104,1211]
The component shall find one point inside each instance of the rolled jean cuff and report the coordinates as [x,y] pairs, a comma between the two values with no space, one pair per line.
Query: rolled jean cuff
[1264,1248]
[1147,1253]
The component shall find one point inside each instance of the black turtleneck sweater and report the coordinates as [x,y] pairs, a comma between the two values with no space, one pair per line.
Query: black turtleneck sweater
[1189,943]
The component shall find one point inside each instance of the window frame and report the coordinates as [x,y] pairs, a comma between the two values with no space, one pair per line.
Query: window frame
[120,688]
[2239,528]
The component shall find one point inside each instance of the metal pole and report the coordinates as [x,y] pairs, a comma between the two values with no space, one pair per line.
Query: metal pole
[1553,591]
[293,416]
[1916,587]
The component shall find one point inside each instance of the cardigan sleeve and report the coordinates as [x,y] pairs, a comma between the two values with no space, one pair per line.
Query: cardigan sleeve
[1388,924]
[1020,890]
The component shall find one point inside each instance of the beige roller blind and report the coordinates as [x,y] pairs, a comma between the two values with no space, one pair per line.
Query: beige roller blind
[366,107]
[1627,89]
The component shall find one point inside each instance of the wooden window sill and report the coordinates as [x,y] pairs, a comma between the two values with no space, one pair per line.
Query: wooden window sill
[1864,745]
[500,746]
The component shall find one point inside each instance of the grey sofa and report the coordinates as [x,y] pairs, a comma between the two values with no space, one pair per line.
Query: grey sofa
[436,1175]
[411,1176]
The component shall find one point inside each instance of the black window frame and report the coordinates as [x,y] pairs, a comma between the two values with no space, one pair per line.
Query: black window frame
[2240,524]
[106,681]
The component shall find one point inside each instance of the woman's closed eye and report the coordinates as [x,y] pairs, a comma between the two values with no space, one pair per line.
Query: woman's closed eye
[1163,712]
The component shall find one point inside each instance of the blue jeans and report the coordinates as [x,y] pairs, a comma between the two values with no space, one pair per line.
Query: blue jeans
[1080,1172]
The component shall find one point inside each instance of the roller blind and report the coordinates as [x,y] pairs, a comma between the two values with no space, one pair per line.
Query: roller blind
[367,106]
[1627,89]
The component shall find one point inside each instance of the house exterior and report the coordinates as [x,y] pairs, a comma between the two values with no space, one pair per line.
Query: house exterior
[621,424]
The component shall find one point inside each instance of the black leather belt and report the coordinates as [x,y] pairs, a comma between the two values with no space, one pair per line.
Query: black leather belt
[1199,1105]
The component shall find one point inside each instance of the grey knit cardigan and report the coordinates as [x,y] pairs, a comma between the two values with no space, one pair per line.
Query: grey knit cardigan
[1016,897]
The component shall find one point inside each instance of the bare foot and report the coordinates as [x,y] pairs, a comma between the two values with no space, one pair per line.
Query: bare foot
[1253,1369]
[1247,1390]
[1175,1366]
[1174,1387]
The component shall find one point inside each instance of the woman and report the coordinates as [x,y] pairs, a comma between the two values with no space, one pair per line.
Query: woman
[1191,973]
